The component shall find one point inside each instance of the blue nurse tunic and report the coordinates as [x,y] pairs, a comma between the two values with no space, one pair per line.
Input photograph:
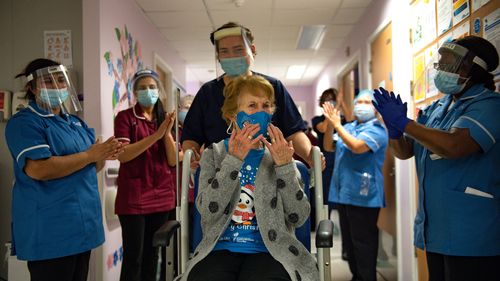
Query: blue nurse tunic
[459,199]
[59,217]
[354,172]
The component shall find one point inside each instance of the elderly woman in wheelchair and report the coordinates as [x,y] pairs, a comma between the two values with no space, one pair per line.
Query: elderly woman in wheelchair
[251,196]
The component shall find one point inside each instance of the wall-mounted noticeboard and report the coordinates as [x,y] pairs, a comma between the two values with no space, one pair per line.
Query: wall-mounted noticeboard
[438,21]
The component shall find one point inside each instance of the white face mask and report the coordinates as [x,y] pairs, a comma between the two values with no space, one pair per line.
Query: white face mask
[364,112]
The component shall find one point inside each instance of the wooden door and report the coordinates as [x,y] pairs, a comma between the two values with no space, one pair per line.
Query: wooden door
[347,91]
[381,75]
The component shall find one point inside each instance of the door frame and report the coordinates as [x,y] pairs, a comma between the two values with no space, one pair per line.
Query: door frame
[346,68]
[404,223]
[369,42]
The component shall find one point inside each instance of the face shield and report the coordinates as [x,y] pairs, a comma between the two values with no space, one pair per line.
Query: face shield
[452,64]
[452,57]
[233,51]
[148,89]
[53,89]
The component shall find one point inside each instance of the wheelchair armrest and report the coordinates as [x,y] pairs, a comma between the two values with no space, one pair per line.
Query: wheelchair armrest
[324,234]
[162,236]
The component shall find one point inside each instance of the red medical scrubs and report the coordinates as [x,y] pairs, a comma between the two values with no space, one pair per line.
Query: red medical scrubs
[146,184]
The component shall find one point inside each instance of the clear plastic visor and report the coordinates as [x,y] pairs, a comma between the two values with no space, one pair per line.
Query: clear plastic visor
[54,89]
[451,57]
[233,52]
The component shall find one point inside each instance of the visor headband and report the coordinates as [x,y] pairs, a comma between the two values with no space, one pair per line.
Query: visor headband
[50,69]
[455,48]
[233,31]
[479,61]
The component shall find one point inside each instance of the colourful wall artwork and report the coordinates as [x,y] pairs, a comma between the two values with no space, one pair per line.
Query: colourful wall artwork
[123,68]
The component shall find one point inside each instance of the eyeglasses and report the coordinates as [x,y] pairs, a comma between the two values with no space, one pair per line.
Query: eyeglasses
[445,67]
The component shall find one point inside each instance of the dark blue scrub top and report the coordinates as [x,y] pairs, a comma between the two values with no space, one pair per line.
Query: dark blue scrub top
[204,123]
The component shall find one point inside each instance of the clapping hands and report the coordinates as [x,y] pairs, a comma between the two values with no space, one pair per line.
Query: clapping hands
[332,115]
[393,111]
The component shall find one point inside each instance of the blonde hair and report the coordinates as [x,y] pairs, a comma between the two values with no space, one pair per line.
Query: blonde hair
[237,85]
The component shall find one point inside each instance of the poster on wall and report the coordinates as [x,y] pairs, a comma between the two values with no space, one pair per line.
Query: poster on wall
[491,32]
[447,38]
[460,10]
[461,30]
[424,23]
[431,56]
[57,46]
[444,16]
[419,77]
[476,4]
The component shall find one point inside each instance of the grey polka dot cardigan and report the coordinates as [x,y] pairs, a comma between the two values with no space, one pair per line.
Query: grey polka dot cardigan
[280,207]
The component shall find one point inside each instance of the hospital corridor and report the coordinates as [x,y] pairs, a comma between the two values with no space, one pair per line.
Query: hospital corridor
[235,140]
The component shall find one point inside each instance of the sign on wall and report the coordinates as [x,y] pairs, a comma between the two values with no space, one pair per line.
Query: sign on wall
[57,45]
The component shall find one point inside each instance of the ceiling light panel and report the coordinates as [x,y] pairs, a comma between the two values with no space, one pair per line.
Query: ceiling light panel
[310,37]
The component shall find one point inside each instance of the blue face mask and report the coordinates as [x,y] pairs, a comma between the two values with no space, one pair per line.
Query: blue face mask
[262,118]
[364,112]
[147,97]
[182,116]
[53,97]
[234,66]
[448,83]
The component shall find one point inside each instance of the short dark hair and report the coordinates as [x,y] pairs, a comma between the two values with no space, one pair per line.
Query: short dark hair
[331,92]
[31,68]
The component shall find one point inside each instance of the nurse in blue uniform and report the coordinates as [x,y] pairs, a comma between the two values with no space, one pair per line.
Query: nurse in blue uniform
[456,145]
[357,184]
[56,211]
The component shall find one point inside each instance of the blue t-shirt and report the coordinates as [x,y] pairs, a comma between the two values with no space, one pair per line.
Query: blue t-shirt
[204,123]
[242,235]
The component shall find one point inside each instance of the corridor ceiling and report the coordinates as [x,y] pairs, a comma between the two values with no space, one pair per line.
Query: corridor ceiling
[186,25]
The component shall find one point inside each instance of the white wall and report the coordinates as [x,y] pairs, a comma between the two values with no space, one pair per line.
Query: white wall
[22,23]
[378,14]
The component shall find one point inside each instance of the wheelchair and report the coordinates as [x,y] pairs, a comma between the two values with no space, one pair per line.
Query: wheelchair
[178,253]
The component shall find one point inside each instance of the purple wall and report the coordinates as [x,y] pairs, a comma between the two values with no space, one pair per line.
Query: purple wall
[376,14]
[303,96]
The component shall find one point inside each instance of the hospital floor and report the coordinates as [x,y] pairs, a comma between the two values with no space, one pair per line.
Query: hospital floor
[386,265]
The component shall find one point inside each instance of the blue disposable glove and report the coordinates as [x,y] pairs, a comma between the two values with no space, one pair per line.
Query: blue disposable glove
[393,111]
[393,132]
